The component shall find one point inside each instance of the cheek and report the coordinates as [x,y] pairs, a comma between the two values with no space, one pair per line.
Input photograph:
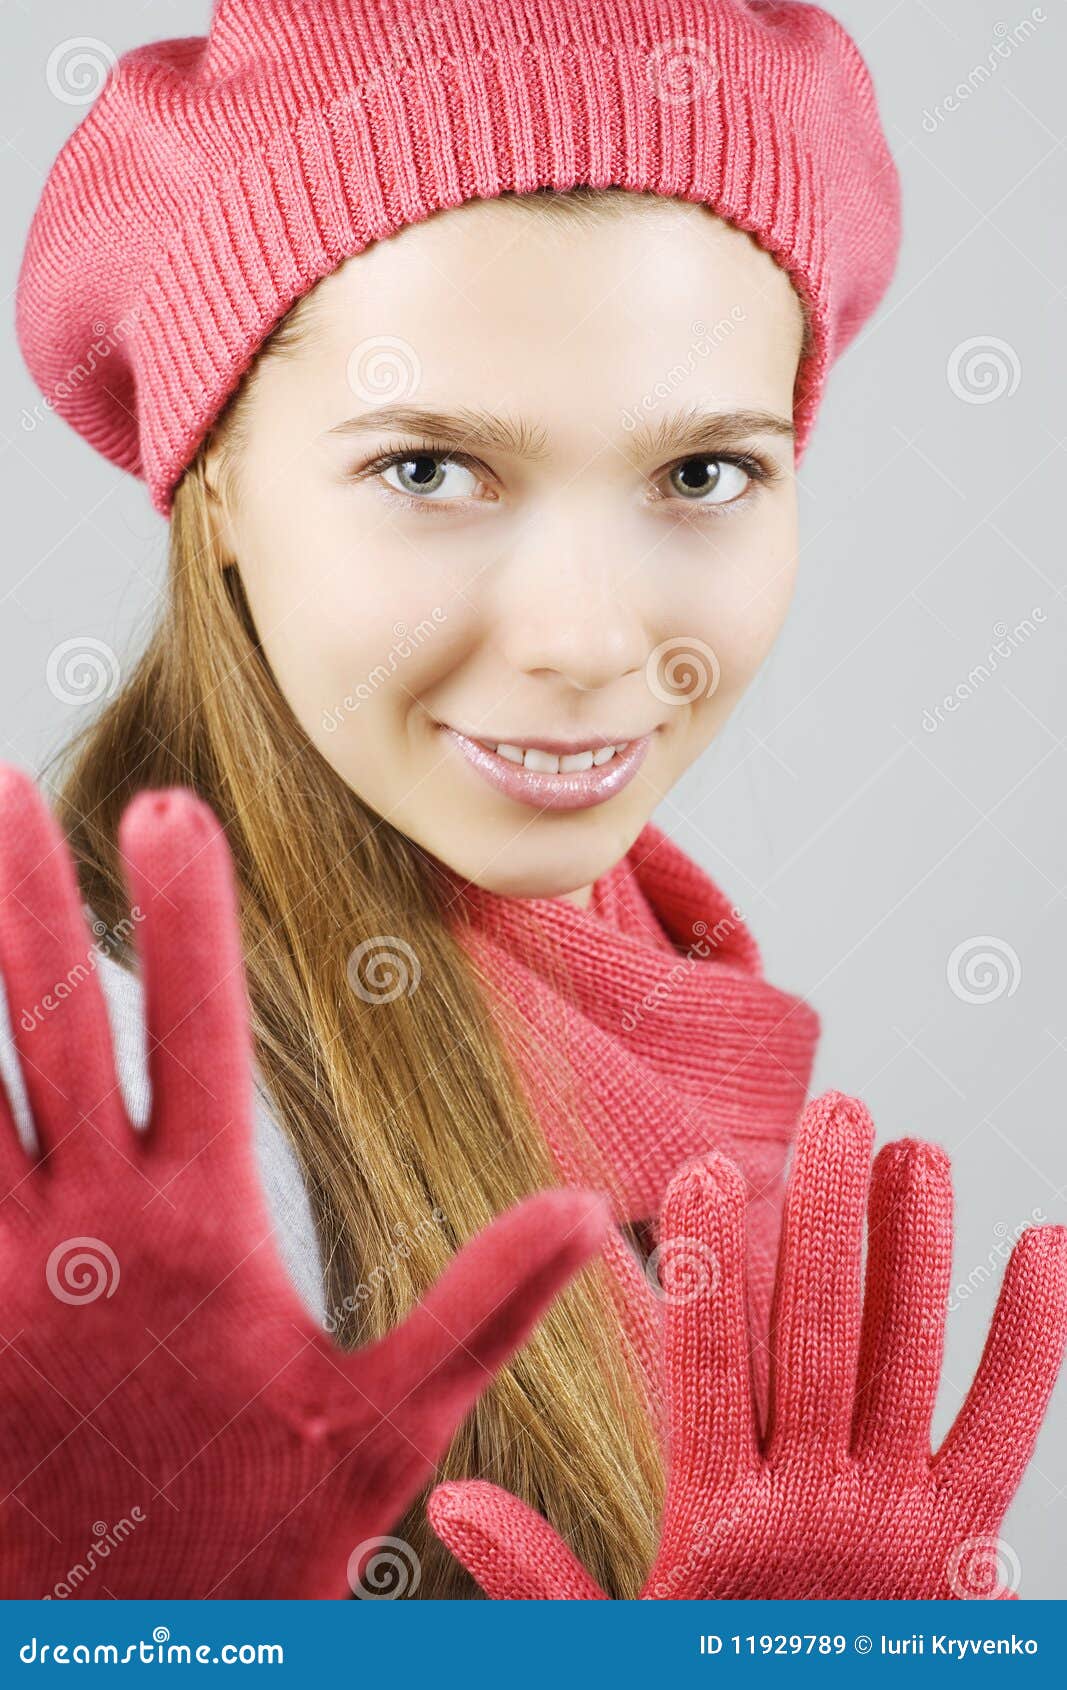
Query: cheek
[753,612]
[724,598]
[361,681]
[731,600]
[346,627]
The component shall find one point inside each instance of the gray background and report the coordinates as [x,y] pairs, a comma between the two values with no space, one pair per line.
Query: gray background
[864,848]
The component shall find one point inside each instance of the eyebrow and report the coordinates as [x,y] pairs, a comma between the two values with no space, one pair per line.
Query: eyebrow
[693,429]
[680,431]
[459,427]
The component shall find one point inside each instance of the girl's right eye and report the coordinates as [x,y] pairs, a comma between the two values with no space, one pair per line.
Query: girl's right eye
[426,476]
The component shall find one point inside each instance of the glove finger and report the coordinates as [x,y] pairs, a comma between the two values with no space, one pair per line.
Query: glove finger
[55,1003]
[700,1274]
[511,1550]
[815,1314]
[415,1385]
[909,1273]
[199,1049]
[989,1445]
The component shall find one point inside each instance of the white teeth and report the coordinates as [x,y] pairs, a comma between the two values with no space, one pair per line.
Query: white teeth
[547,763]
[542,762]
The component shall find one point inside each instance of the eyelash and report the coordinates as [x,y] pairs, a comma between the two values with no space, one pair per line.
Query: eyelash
[387,457]
[761,471]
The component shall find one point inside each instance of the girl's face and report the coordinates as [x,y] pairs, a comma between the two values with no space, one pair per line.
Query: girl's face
[527,483]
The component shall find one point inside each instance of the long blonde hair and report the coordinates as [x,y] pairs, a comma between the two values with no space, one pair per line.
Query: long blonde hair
[408,1115]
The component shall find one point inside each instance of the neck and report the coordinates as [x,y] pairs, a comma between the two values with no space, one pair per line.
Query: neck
[579,896]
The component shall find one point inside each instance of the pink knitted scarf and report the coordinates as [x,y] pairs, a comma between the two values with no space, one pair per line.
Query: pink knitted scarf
[652,1036]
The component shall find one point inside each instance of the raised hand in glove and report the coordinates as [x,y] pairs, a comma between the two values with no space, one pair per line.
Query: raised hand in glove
[840,1496]
[172,1422]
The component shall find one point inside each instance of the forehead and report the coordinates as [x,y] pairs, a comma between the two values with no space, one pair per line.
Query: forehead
[497,302]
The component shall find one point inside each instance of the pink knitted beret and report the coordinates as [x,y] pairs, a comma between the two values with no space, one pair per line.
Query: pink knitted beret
[215,179]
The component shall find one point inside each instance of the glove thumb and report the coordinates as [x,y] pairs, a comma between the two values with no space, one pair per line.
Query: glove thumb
[513,1552]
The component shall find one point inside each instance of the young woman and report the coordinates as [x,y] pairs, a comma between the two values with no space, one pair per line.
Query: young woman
[470,350]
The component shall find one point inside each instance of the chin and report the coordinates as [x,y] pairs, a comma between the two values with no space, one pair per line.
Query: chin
[550,859]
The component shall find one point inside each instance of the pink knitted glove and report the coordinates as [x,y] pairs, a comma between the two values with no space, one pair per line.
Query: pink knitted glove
[173,1423]
[841,1498]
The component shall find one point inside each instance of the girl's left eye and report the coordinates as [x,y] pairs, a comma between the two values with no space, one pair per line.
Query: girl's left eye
[426,476]
[713,481]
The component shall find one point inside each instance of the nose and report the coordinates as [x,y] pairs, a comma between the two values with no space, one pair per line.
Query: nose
[568,603]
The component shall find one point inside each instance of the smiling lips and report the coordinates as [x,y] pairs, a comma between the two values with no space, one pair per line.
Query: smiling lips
[549,778]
